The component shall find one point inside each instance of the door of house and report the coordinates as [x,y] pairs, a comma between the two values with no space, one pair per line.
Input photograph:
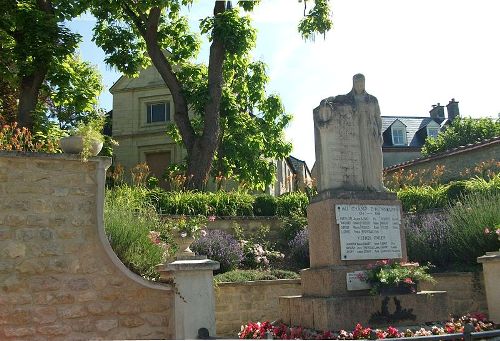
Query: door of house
[158,163]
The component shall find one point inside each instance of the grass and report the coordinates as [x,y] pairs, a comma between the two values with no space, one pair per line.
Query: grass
[127,221]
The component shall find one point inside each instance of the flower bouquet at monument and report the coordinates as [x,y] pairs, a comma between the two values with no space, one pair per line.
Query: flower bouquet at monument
[392,277]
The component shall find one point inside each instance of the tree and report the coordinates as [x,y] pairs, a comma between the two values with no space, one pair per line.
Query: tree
[127,30]
[252,123]
[71,91]
[462,131]
[33,39]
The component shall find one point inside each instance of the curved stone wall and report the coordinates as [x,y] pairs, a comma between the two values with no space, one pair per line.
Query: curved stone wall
[59,278]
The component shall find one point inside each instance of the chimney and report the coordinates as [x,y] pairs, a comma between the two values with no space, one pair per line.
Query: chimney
[452,109]
[437,113]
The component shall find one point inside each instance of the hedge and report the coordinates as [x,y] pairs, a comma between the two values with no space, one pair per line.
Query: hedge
[219,203]
[422,198]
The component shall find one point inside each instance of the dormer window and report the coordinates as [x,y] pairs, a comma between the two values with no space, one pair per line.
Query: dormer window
[398,133]
[158,112]
[432,132]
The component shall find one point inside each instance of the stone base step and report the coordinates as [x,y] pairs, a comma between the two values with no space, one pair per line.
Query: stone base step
[335,313]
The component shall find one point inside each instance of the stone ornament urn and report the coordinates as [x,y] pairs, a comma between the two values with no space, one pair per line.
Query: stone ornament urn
[74,145]
[184,243]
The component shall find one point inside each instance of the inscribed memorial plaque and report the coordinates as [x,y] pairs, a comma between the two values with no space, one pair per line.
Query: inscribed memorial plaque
[355,283]
[369,231]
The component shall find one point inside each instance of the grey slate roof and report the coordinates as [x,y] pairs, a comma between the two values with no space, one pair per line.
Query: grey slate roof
[297,164]
[415,129]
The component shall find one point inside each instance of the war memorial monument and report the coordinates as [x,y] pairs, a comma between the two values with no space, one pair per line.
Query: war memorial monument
[353,221]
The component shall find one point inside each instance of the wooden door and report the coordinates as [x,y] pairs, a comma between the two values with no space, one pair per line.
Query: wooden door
[158,163]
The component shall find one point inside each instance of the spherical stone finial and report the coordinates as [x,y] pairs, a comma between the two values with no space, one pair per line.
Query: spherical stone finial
[358,83]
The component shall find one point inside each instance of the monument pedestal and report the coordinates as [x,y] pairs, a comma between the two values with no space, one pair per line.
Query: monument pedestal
[340,312]
[347,231]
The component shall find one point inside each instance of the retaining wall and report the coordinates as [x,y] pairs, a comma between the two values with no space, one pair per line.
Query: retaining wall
[59,278]
[238,303]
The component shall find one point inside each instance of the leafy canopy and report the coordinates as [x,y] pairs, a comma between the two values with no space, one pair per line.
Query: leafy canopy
[462,131]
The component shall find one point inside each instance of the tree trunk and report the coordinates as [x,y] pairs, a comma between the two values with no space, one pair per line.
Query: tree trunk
[204,148]
[200,149]
[28,96]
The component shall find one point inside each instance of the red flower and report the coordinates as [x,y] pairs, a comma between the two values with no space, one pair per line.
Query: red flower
[408,280]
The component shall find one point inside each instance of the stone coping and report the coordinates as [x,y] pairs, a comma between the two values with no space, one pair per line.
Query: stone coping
[355,195]
[193,265]
[493,256]
[264,282]
[226,217]
[58,156]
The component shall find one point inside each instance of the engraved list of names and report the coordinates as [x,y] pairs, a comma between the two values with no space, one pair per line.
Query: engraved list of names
[369,231]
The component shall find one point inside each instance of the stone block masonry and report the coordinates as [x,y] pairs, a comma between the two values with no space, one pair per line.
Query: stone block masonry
[59,278]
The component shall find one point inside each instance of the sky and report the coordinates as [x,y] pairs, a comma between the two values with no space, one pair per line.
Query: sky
[413,53]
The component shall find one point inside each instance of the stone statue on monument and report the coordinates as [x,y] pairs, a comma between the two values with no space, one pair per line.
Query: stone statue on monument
[348,139]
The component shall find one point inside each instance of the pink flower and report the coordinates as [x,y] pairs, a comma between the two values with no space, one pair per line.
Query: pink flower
[184,234]
[154,237]
[408,280]
[486,231]
[211,218]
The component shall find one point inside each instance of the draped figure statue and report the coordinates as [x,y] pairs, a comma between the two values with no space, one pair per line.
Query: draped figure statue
[348,139]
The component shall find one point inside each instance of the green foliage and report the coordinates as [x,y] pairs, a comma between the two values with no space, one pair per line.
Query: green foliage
[290,204]
[387,273]
[292,225]
[249,123]
[421,198]
[36,47]
[252,122]
[127,221]
[14,138]
[468,220]
[199,203]
[238,276]
[236,33]
[317,20]
[417,199]
[265,205]
[72,90]
[462,131]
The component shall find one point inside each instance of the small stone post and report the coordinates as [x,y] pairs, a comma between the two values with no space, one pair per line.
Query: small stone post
[194,306]
[491,272]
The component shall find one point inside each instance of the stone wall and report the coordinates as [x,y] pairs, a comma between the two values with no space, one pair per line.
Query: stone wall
[465,291]
[238,303]
[455,160]
[59,278]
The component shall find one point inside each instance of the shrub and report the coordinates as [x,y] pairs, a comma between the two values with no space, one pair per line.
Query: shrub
[238,276]
[127,222]
[298,256]
[418,199]
[428,239]
[265,205]
[198,203]
[292,203]
[219,246]
[289,229]
[468,221]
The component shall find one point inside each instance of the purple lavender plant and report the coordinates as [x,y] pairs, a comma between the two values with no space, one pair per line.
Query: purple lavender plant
[428,238]
[299,250]
[221,247]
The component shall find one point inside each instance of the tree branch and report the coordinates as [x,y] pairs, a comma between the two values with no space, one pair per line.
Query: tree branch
[165,70]
[139,24]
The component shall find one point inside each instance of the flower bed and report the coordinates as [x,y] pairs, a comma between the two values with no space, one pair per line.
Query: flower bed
[261,330]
